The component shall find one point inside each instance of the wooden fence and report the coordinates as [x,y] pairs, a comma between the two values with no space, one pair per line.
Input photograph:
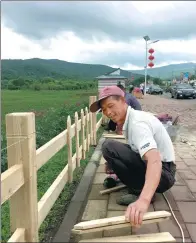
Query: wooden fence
[19,181]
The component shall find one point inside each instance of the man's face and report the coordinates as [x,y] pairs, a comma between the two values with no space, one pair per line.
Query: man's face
[114,109]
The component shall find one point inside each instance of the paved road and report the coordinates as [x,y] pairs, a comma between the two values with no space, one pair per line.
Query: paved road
[168,96]
[186,108]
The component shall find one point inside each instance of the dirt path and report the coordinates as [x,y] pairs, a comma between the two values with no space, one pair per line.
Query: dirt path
[163,104]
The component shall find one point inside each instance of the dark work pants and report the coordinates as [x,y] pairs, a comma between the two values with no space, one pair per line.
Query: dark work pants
[131,169]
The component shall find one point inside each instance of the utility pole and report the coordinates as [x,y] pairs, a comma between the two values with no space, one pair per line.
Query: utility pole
[147,38]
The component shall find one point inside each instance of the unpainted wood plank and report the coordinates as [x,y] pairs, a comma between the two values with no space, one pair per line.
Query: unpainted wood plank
[49,149]
[11,180]
[113,136]
[51,195]
[118,220]
[18,236]
[156,237]
[118,226]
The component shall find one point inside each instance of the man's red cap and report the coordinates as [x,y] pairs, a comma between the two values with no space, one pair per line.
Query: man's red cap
[104,93]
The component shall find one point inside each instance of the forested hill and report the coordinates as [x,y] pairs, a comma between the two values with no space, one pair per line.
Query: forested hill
[39,68]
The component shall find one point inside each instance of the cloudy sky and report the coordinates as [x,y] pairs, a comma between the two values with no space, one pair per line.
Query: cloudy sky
[101,32]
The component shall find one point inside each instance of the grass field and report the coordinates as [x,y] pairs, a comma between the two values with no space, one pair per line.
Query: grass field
[27,100]
[52,109]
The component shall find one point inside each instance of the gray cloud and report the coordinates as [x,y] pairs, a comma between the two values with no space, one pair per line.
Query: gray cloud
[40,20]
[136,57]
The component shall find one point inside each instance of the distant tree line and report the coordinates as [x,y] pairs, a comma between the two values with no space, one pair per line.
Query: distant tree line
[47,83]
[138,81]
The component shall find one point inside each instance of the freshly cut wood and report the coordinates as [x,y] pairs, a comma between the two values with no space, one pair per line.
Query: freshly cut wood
[11,181]
[48,199]
[113,189]
[99,124]
[156,237]
[18,236]
[118,220]
[115,227]
[49,149]
[113,136]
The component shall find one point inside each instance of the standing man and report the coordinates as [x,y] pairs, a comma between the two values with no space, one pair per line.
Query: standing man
[142,88]
[130,100]
[146,164]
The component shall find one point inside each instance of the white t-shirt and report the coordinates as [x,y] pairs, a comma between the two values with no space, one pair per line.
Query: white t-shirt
[144,132]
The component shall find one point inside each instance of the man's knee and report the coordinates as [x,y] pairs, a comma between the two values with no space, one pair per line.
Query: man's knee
[108,146]
[166,184]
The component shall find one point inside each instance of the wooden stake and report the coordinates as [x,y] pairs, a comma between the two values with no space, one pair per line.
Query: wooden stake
[113,189]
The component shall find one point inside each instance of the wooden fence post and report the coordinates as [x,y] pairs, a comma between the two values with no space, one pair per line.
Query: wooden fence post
[83,134]
[87,129]
[104,119]
[21,149]
[94,122]
[69,149]
[77,140]
[91,120]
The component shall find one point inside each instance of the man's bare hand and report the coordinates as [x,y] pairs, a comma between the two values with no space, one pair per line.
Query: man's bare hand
[135,212]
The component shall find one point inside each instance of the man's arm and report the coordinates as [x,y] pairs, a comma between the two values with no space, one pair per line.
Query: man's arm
[153,174]
[133,102]
[144,141]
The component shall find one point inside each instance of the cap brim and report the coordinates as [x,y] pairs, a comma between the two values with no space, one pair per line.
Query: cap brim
[96,105]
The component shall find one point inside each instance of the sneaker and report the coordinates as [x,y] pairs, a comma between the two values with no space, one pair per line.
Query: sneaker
[127,199]
[138,192]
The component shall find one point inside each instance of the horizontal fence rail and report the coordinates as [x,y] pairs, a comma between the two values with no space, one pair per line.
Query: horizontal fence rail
[19,181]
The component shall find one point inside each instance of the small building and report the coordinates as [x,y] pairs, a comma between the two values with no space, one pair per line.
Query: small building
[112,78]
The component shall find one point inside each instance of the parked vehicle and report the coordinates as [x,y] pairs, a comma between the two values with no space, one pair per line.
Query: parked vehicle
[183,91]
[155,89]
[147,88]
[169,89]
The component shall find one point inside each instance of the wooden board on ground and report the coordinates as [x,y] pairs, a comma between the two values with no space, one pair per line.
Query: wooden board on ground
[156,237]
[113,136]
[118,220]
[116,227]
[113,189]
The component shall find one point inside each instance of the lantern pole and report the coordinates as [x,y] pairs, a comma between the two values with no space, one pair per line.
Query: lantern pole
[147,38]
[146,67]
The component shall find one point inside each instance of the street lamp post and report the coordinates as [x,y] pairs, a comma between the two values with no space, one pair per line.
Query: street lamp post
[147,38]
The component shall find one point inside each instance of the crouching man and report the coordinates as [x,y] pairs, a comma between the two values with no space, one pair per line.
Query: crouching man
[146,165]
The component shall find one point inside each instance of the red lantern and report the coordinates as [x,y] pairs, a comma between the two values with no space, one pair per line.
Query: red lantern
[151,64]
[151,50]
[151,57]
